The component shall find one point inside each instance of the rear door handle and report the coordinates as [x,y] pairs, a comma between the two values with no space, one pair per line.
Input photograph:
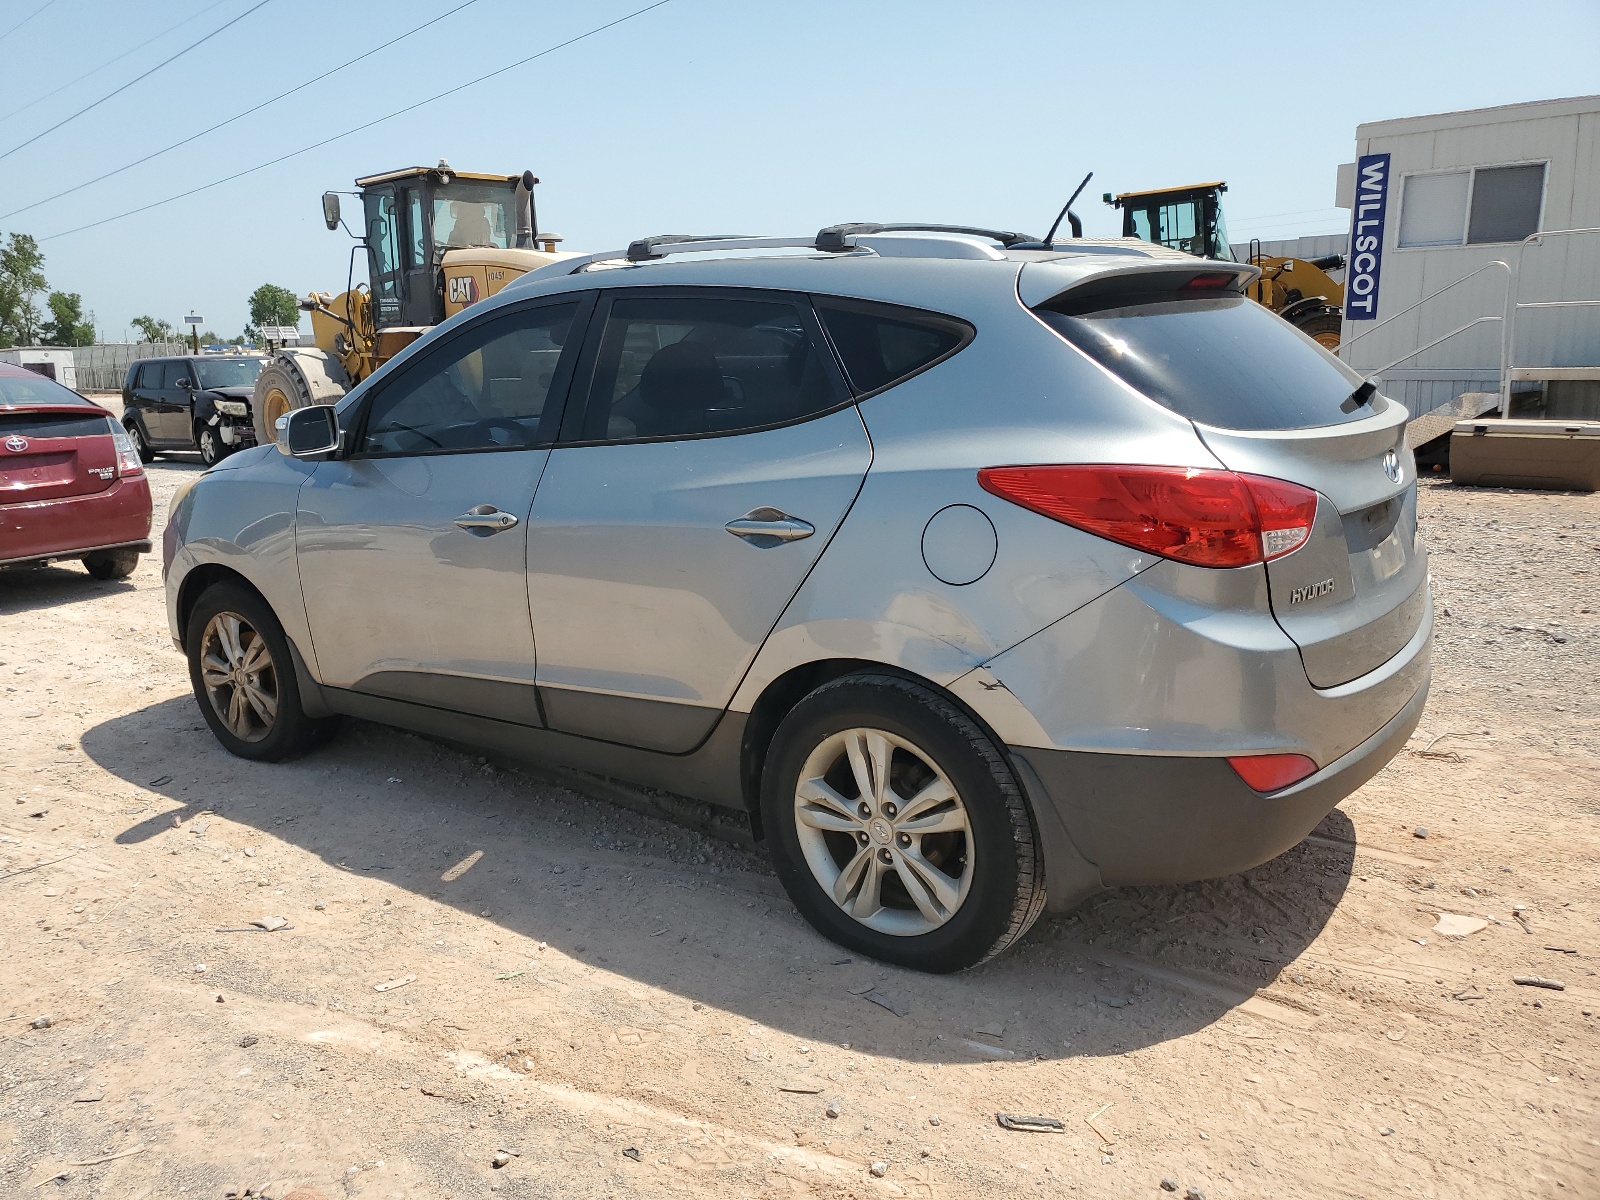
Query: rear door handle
[767,527]
[484,519]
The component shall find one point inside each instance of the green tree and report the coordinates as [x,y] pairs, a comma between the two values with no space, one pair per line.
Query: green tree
[66,326]
[273,305]
[21,279]
[154,330]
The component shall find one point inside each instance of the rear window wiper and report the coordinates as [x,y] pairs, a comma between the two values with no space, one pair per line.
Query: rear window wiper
[1362,395]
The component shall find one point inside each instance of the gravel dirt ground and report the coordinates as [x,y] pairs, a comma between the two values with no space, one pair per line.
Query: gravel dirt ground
[483,962]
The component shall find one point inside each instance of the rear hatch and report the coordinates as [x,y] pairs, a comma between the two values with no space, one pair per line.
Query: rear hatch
[54,453]
[1269,401]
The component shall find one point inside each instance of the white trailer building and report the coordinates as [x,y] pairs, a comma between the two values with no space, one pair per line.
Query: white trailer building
[53,362]
[1474,256]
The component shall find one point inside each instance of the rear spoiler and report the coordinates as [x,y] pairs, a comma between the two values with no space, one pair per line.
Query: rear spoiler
[1053,281]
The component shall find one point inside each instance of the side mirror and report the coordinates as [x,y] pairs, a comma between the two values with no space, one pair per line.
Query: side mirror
[330,209]
[309,432]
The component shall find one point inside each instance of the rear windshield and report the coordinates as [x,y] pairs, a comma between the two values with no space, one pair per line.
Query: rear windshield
[228,372]
[1224,361]
[36,389]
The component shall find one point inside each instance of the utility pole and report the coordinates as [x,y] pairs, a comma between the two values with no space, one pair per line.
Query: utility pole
[194,322]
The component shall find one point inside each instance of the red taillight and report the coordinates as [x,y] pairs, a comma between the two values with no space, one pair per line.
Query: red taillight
[128,463]
[1211,282]
[1203,517]
[1272,772]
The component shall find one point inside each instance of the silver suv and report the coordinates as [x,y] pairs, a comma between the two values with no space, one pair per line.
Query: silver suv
[982,577]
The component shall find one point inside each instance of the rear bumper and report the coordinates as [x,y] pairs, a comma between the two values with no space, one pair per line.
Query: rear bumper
[72,526]
[1147,819]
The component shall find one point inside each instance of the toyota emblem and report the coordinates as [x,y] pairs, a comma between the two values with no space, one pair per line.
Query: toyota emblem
[16,443]
[1391,466]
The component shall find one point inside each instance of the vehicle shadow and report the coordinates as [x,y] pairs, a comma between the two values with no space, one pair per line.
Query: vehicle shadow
[26,589]
[649,900]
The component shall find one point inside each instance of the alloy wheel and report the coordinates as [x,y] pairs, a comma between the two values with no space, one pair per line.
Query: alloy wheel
[884,832]
[241,680]
[210,447]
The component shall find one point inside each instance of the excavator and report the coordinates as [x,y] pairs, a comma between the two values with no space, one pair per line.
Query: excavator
[436,240]
[1190,219]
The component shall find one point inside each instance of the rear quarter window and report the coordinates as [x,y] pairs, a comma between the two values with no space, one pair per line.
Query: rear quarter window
[881,345]
[1222,360]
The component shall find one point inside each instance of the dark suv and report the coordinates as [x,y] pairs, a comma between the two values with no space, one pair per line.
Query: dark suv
[191,404]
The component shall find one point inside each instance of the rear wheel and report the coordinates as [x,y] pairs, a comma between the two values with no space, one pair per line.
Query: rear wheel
[1322,328]
[898,828]
[243,677]
[111,564]
[139,443]
[212,449]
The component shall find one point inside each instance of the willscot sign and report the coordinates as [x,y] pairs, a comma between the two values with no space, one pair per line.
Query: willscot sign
[1366,237]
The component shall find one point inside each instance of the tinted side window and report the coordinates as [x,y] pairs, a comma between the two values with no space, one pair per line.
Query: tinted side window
[173,373]
[882,344]
[484,389]
[149,375]
[677,366]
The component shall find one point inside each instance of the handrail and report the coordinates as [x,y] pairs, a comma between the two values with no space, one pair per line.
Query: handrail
[1412,354]
[1515,304]
[1504,266]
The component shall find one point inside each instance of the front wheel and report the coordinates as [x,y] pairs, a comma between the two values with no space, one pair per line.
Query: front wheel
[244,680]
[897,826]
[1324,328]
[212,451]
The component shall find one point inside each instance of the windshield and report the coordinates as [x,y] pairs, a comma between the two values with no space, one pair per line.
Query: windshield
[1184,225]
[473,214]
[1225,361]
[228,372]
[36,389]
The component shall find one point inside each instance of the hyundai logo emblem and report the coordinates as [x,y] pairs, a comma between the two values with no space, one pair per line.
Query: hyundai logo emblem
[16,443]
[1391,466]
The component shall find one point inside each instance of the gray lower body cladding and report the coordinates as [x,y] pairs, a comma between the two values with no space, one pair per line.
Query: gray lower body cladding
[1149,819]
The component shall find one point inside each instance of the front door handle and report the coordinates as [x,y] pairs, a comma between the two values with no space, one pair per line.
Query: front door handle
[768,527]
[484,519]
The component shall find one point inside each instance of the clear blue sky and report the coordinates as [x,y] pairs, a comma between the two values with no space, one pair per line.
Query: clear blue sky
[714,115]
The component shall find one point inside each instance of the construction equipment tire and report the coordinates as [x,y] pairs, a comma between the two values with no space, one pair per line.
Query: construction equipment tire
[293,379]
[1323,328]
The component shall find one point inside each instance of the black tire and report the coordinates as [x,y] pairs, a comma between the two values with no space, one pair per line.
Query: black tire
[111,564]
[280,388]
[146,454]
[289,733]
[1005,893]
[1324,328]
[210,444]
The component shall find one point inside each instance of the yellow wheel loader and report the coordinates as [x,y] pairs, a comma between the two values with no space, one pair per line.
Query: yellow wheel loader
[436,240]
[1190,219]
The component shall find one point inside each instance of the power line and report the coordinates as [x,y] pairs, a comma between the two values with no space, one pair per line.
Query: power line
[237,116]
[117,91]
[110,61]
[361,128]
[26,19]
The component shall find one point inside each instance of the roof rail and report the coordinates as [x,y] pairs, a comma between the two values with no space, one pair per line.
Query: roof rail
[835,237]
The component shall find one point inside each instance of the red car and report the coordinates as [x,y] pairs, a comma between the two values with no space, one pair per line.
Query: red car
[71,485]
